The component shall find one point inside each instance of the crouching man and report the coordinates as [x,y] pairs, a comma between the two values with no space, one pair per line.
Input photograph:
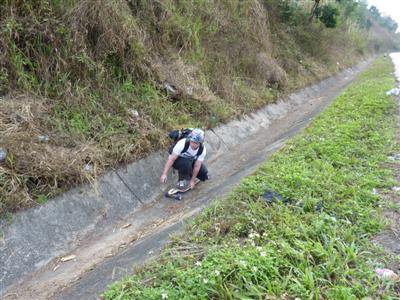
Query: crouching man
[187,157]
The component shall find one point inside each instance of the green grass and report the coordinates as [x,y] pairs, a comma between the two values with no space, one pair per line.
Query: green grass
[316,246]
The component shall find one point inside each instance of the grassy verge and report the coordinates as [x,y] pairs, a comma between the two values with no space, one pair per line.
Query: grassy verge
[315,243]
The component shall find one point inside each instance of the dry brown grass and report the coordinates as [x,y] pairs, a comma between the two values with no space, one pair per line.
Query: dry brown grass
[109,27]
[32,164]
[185,78]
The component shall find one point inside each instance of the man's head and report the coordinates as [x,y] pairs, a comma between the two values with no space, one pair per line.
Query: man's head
[196,137]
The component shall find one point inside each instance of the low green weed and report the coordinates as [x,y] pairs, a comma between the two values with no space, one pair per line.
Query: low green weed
[41,199]
[312,244]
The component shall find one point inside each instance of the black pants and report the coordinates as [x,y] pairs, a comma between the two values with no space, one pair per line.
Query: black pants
[185,169]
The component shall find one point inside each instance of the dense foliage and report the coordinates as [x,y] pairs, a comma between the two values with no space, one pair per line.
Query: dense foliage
[328,14]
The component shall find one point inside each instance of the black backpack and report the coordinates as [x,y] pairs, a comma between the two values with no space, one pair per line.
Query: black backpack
[177,135]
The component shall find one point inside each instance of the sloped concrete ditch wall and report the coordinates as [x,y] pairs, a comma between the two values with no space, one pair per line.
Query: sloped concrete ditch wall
[34,237]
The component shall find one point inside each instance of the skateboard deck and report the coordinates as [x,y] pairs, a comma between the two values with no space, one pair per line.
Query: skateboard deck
[177,193]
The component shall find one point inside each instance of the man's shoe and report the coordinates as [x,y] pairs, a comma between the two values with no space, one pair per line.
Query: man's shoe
[182,185]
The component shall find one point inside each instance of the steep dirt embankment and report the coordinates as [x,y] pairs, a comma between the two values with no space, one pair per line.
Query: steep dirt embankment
[122,227]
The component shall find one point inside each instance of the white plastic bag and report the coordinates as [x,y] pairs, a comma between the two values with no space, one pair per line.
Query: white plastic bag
[393,92]
[387,274]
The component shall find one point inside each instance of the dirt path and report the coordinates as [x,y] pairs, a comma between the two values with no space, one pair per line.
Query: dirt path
[103,259]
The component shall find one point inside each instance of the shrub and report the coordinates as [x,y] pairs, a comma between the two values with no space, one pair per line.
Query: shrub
[328,14]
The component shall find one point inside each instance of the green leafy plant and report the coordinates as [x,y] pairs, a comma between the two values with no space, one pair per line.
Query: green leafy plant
[328,14]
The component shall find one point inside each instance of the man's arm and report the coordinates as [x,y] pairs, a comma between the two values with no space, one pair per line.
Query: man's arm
[196,169]
[172,157]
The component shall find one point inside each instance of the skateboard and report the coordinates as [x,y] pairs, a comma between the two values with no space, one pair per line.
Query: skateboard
[177,193]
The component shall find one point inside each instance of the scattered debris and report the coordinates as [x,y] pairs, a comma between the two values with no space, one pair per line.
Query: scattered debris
[393,92]
[88,168]
[68,258]
[126,225]
[395,156]
[272,196]
[330,218]
[189,90]
[396,189]
[387,274]
[108,255]
[133,112]
[319,206]
[55,268]
[3,154]
[134,238]
[375,191]
[43,138]
[170,88]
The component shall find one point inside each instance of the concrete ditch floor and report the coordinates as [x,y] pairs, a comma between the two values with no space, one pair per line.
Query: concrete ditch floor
[97,262]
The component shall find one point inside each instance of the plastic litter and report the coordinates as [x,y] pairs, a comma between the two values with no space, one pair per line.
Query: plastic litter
[189,90]
[319,206]
[170,88]
[43,138]
[272,196]
[393,92]
[3,154]
[88,168]
[396,189]
[387,274]
[133,112]
[395,156]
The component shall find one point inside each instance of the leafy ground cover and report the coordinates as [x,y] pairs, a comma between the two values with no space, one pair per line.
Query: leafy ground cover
[314,243]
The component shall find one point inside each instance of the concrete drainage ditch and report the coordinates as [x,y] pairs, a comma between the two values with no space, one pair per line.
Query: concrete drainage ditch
[76,244]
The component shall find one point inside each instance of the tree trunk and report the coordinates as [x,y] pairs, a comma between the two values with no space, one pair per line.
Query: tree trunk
[314,9]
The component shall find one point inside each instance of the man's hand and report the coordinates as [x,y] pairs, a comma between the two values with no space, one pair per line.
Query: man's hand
[196,170]
[168,165]
[191,183]
[163,178]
